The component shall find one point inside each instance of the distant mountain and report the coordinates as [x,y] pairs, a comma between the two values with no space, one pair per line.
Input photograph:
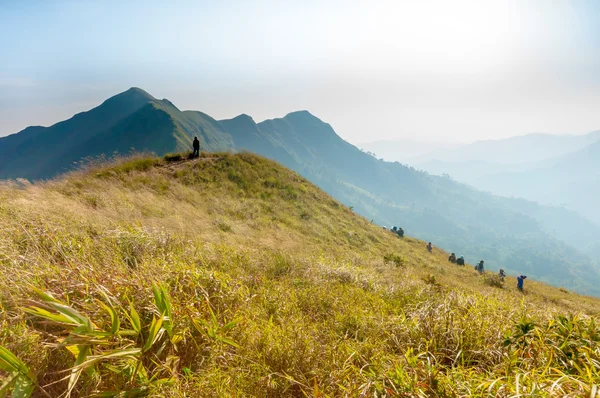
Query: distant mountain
[548,243]
[572,180]
[524,149]
[471,171]
[472,163]
[528,169]
[405,150]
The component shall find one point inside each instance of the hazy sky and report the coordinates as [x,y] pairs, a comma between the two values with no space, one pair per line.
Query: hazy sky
[433,70]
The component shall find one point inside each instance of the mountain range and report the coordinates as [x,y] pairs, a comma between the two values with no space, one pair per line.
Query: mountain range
[571,180]
[558,170]
[549,243]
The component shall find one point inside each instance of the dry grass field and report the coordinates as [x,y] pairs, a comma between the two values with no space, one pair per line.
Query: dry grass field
[230,275]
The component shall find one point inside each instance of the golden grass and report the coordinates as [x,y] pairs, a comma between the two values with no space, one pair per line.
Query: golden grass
[275,289]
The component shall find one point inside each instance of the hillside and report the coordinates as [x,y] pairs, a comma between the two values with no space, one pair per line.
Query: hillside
[553,245]
[263,286]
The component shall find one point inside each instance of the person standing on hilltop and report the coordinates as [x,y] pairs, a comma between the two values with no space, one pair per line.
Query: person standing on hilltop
[196,145]
[430,247]
[520,281]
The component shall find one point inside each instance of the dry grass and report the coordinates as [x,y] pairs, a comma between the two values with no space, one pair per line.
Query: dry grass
[273,289]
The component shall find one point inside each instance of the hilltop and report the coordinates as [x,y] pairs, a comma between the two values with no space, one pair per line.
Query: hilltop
[550,244]
[231,275]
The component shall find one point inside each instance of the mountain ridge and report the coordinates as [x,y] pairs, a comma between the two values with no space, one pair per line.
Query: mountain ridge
[438,209]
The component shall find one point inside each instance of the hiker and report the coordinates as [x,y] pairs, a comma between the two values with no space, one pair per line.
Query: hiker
[196,144]
[400,232]
[460,261]
[430,247]
[501,275]
[520,280]
[479,267]
[452,258]
[394,228]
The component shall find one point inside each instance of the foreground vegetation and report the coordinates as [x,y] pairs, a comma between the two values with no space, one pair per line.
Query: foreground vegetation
[232,276]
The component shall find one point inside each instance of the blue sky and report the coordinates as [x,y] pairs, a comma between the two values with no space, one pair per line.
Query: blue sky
[431,70]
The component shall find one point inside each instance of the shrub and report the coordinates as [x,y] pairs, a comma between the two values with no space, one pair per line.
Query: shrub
[395,259]
[493,280]
[173,157]
[91,200]
[304,215]
[431,280]
[272,182]
[281,265]
[223,226]
[238,179]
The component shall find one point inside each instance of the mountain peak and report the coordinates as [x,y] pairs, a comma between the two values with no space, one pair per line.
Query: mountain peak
[244,118]
[304,114]
[241,121]
[136,90]
[134,94]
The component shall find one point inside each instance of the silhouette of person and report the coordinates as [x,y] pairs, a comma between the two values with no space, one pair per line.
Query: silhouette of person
[501,274]
[196,145]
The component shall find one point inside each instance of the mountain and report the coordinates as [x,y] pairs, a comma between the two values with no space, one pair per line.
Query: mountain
[405,150]
[230,275]
[474,163]
[571,180]
[131,120]
[550,244]
[524,149]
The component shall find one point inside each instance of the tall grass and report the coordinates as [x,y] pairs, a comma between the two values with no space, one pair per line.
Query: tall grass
[143,292]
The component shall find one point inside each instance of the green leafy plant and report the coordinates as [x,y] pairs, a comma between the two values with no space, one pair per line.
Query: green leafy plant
[214,330]
[20,379]
[91,345]
[394,259]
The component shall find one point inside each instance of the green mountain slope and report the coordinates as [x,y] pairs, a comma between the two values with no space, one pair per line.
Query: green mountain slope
[33,153]
[512,234]
[132,120]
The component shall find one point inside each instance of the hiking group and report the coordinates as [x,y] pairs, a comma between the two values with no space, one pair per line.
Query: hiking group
[479,267]
[397,230]
[457,261]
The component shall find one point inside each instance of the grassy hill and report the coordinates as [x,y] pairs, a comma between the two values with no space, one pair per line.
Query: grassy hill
[132,120]
[233,276]
[553,245]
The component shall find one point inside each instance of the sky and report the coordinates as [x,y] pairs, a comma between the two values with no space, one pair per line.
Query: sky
[452,71]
